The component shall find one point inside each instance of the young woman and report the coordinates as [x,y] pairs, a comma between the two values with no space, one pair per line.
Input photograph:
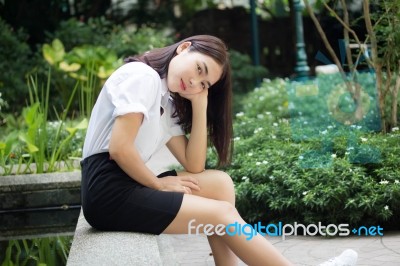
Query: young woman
[157,99]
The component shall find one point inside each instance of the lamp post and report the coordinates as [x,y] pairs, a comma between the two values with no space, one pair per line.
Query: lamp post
[301,69]
[255,39]
[254,33]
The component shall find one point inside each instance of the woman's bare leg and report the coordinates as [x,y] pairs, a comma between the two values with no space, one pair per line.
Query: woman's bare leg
[208,207]
[219,186]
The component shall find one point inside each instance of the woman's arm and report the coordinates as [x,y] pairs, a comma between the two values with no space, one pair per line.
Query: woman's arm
[123,151]
[192,152]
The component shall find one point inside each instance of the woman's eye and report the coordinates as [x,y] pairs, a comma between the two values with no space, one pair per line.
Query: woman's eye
[198,69]
[203,85]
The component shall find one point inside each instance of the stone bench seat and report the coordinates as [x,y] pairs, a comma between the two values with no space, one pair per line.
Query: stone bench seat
[93,247]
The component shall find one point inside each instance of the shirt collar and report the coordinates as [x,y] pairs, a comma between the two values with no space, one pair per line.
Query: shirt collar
[164,93]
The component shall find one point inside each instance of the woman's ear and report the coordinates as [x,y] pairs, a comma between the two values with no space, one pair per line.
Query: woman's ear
[183,46]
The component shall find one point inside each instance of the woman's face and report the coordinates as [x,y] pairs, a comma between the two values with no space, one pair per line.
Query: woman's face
[191,72]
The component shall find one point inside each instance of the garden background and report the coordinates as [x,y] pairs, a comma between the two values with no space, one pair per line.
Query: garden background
[308,148]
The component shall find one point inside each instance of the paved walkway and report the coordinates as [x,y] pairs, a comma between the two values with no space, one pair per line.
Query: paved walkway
[303,251]
[193,250]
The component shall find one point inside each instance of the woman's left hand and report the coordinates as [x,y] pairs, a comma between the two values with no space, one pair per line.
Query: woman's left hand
[197,98]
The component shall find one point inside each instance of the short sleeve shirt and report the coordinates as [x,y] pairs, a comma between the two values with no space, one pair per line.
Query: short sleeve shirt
[133,88]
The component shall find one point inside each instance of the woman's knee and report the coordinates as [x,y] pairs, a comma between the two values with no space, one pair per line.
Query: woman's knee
[222,185]
[223,212]
[223,176]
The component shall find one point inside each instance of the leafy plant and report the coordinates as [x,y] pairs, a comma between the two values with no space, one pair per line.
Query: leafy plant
[90,65]
[50,251]
[41,141]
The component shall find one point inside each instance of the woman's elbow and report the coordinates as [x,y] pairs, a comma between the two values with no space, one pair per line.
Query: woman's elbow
[117,153]
[195,169]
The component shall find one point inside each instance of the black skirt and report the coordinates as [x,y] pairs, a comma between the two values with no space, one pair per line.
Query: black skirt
[113,201]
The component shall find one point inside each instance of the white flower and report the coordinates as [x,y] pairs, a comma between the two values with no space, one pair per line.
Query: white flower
[257,130]
[324,132]
[305,122]
[236,139]
[330,127]
[305,193]
[250,154]
[396,181]
[386,208]
[264,162]
[258,163]
[334,155]
[268,113]
[364,139]
[384,182]
[272,177]
[275,124]
[395,129]
[350,148]
[239,114]
[260,116]
[273,136]
[301,157]
[347,153]
[244,178]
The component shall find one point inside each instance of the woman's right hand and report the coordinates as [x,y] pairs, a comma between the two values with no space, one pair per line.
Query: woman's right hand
[185,184]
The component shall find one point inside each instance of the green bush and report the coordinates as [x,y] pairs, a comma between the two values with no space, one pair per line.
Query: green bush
[73,32]
[121,40]
[245,76]
[15,62]
[128,41]
[339,175]
[244,73]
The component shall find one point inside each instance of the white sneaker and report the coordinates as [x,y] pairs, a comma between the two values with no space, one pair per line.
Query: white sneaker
[347,258]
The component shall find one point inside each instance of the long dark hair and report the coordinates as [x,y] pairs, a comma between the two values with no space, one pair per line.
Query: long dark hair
[219,108]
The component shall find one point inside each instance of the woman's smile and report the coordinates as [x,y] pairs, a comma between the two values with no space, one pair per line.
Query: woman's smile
[183,86]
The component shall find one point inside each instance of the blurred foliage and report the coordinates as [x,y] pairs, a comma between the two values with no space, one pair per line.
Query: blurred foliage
[15,62]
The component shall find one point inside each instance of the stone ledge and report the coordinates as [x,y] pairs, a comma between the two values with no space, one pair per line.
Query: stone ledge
[92,247]
[40,190]
[16,183]
[32,204]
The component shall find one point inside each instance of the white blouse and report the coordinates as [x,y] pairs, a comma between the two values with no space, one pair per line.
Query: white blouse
[133,88]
